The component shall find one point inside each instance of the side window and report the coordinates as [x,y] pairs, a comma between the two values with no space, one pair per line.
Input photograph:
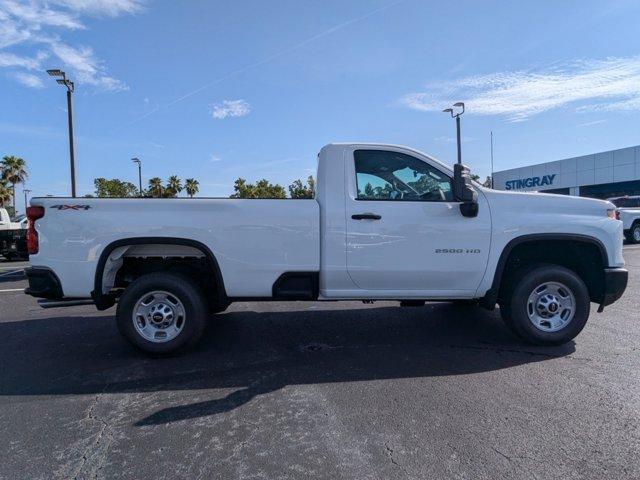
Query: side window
[386,175]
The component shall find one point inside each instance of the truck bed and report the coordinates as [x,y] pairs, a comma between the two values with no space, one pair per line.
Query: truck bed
[254,241]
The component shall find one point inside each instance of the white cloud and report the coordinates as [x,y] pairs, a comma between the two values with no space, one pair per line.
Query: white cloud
[230,108]
[589,124]
[38,14]
[30,63]
[613,83]
[87,68]
[214,158]
[28,80]
[40,23]
[111,8]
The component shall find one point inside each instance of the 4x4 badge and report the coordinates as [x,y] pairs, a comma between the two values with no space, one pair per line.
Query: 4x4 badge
[71,207]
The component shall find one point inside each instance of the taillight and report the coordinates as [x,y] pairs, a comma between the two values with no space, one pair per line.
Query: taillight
[617,215]
[33,214]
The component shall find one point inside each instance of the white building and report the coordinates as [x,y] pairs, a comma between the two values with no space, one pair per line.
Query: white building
[600,175]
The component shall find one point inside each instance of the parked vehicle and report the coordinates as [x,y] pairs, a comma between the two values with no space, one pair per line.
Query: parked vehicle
[13,236]
[628,211]
[387,223]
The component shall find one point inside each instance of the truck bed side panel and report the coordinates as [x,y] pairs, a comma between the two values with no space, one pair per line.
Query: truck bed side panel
[254,241]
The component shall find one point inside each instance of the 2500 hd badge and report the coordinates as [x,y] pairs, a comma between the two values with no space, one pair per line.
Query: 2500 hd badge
[458,250]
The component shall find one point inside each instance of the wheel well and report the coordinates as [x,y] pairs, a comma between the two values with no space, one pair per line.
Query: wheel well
[585,258]
[124,261]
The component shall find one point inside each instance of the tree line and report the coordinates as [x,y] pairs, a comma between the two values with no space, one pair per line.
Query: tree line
[116,188]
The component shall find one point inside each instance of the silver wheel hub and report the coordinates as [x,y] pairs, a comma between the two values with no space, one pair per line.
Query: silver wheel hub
[636,234]
[551,306]
[158,316]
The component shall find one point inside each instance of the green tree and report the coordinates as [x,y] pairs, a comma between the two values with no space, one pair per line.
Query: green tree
[173,188]
[13,170]
[368,190]
[298,190]
[191,185]
[114,188]
[5,193]
[475,177]
[155,187]
[261,189]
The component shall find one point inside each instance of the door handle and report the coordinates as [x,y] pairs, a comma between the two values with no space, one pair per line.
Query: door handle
[366,216]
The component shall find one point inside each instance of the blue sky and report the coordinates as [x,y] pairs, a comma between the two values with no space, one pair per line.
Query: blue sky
[218,90]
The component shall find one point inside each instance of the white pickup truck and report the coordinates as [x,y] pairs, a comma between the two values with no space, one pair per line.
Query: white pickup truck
[12,236]
[387,223]
[628,212]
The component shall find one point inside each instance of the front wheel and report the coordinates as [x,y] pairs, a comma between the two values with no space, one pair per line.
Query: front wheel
[546,305]
[634,233]
[162,313]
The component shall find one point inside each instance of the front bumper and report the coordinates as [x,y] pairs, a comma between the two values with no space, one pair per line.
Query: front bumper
[615,282]
[43,283]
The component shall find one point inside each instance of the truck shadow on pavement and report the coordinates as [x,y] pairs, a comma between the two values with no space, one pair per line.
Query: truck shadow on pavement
[255,353]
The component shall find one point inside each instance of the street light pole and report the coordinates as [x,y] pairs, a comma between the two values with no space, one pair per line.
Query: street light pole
[492,159]
[70,88]
[457,117]
[72,153]
[137,160]
[25,191]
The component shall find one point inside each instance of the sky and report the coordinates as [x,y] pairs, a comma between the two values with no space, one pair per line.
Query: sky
[217,90]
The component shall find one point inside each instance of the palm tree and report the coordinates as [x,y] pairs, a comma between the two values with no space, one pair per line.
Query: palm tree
[174,186]
[5,193]
[155,186]
[13,171]
[191,186]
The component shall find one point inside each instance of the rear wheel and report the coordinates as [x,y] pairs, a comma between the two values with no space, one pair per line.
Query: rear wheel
[546,305]
[162,313]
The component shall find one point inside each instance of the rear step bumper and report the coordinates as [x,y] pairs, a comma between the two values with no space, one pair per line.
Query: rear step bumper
[43,283]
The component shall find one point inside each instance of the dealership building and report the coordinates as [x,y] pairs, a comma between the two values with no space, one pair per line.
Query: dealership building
[600,175]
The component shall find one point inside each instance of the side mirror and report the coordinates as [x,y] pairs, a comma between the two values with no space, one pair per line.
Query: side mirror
[464,192]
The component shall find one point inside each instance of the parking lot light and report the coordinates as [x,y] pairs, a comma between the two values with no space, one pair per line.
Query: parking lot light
[70,88]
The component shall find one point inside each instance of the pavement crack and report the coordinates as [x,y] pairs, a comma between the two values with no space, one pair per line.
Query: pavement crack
[95,454]
[507,457]
[393,460]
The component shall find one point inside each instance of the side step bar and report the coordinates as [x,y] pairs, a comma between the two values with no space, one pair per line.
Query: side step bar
[71,302]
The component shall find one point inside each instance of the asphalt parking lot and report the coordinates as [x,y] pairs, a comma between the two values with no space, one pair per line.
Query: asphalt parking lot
[319,390]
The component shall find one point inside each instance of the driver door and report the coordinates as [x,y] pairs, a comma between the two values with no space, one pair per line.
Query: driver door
[405,233]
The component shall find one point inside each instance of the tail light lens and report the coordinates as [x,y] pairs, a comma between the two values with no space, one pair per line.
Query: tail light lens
[617,215]
[33,214]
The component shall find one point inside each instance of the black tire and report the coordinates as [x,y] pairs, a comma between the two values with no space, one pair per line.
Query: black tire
[185,291]
[514,305]
[634,233]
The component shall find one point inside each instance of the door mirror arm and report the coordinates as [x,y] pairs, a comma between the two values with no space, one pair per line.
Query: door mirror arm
[464,192]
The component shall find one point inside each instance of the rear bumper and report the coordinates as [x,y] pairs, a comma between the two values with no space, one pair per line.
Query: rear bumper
[43,283]
[615,282]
